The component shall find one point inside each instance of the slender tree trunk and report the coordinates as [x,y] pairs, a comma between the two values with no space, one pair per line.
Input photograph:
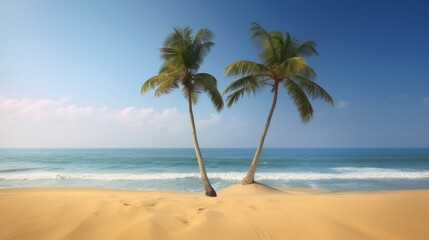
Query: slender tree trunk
[250,177]
[207,186]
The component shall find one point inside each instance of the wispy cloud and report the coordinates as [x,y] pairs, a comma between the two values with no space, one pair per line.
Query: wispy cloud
[214,119]
[26,122]
[131,116]
[42,109]
[237,123]
[341,104]
[63,111]
[426,100]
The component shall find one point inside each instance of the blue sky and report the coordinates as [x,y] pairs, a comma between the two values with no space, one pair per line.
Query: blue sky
[71,72]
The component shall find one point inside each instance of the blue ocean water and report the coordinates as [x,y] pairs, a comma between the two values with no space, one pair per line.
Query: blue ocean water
[177,169]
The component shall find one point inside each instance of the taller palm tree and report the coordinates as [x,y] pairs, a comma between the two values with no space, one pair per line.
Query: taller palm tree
[182,55]
[283,63]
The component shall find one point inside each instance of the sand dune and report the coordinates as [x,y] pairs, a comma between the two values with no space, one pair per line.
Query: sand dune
[240,212]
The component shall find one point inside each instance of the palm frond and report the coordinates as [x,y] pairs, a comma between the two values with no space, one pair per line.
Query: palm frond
[171,66]
[300,99]
[289,46]
[158,80]
[245,68]
[203,35]
[235,96]
[186,33]
[172,56]
[277,40]
[306,49]
[178,37]
[175,45]
[308,73]
[313,89]
[208,84]
[295,66]
[197,54]
[264,43]
[167,86]
[249,83]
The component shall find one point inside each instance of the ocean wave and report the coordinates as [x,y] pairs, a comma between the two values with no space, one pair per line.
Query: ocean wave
[340,173]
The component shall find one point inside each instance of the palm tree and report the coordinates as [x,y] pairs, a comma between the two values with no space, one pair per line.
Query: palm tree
[182,55]
[283,63]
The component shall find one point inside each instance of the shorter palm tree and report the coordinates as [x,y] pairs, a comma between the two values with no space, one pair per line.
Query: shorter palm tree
[283,64]
[183,55]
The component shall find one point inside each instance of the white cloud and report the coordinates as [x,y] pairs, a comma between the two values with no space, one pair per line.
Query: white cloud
[203,123]
[42,109]
[426,100]
[28,122]
[131,116]
[62,110]
[341,104]
[237,123]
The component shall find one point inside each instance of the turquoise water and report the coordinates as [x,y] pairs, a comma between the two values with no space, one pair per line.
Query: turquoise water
[177,169]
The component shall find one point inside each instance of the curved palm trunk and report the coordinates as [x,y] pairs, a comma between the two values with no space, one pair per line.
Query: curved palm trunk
[250,177]
[207,186]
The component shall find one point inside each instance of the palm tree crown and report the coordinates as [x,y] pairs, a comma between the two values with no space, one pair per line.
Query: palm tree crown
[283,62]
[182,57]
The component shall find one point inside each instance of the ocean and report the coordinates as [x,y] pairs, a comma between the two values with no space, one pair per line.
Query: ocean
[177,169]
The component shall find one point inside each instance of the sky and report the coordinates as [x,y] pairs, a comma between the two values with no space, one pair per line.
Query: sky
[71,73]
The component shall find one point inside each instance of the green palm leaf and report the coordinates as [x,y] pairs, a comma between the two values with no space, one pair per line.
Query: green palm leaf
[264,43]
[295,66]
[306,49]
[167,86]
[300,99]
[203,35]
[245,68]
[208,84]
[247,84]
[158,80]
[313,89]
[235,96]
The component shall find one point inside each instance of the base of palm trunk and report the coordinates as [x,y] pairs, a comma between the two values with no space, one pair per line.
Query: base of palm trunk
[211,193]
[248,180]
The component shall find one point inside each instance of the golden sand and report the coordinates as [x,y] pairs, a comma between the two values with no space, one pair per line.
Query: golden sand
[239,212]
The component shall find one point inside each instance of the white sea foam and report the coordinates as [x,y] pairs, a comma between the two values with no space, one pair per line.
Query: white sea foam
[338,173]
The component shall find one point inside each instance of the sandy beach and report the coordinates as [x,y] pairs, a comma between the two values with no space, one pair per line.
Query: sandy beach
[240,212]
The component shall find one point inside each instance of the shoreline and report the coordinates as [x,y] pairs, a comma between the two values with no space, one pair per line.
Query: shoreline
[239,212]
[285,189]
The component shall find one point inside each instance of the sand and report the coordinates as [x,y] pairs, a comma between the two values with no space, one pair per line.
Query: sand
[240,212]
